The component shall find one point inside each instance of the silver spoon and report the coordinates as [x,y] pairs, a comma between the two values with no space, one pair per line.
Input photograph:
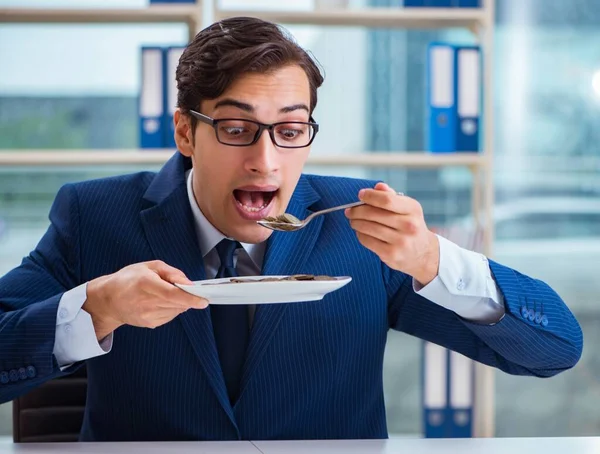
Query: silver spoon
[290,223]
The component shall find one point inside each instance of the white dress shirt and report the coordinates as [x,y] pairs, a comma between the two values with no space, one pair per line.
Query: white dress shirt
[464,285]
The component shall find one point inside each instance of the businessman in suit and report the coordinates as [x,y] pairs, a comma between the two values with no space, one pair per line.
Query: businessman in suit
[165,365]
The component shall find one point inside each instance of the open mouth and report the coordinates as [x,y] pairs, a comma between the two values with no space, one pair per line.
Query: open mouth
[253,201]
[254,204]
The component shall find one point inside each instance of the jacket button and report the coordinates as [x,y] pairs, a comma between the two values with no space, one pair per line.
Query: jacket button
[31,372]
[22,373]
[13,375]
[538,317]
[524,312]
[4,379]
[544,320]
[531,315]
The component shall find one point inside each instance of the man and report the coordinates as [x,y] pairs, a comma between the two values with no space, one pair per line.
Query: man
[104,272]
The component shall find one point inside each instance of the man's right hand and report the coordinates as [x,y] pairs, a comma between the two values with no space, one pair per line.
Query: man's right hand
[141,295]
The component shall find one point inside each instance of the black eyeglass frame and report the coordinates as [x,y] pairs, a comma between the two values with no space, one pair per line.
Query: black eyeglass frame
[261,127]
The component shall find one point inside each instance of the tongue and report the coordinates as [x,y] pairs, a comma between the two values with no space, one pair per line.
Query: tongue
[251,198]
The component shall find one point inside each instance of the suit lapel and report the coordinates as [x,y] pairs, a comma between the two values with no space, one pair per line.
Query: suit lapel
[169,227]
[286,253]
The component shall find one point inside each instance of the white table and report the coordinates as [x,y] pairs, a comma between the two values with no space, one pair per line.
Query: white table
[175,447]
[396,446]
[436,446]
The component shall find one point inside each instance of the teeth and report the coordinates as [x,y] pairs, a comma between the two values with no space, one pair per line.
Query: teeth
[251,209]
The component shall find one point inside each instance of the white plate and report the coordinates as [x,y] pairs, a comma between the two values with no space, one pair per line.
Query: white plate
[263,292]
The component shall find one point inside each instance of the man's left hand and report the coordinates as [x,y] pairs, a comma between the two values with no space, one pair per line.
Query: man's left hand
[393,227]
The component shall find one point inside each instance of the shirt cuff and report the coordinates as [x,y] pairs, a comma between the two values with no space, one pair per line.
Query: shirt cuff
[75,335]
[464,285]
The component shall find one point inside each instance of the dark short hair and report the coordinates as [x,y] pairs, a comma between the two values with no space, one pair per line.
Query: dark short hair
[227,49]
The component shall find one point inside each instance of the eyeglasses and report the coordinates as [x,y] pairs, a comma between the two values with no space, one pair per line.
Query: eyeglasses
[239,132]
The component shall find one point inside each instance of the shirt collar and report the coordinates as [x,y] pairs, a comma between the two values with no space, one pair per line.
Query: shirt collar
[209,236]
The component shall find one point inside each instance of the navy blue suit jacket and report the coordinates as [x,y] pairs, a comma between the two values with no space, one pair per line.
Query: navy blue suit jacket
[313,370]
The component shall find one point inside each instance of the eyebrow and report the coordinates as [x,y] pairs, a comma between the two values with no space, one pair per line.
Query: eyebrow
[288,109]
[249,108]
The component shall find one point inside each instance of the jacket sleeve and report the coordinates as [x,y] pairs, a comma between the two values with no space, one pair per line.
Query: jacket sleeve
[538,334]
[29,299]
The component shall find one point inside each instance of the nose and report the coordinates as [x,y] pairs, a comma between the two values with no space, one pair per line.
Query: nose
[264,157]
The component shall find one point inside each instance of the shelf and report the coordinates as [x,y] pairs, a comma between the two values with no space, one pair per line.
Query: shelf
[401,159]
[38,158]
[153,14]
[416,18]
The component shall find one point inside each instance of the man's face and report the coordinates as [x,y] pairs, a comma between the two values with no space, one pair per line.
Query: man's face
[236,186]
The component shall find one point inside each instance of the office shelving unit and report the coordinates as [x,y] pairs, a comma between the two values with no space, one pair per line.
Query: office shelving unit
[153,14]
[480,21]
[157,156]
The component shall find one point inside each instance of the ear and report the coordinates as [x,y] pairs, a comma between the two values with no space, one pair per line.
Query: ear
[184,136]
